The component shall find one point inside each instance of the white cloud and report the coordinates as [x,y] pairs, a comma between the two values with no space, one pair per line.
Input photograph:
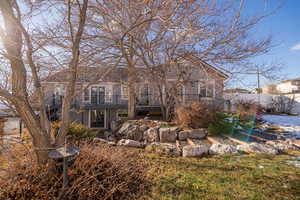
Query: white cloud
[296,47]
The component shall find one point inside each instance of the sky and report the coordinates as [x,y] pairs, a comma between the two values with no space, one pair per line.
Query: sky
[284,27]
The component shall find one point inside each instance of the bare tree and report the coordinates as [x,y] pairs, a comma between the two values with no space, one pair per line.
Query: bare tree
[20,51]
[159,34]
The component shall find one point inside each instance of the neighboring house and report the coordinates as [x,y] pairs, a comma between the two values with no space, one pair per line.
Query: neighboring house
[285,87]
[237,90]
[100,102]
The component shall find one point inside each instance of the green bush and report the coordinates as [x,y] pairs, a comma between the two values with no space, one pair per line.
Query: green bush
[222,124]
[76,131]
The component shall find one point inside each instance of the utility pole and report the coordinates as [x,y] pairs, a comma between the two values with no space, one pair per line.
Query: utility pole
[258,85]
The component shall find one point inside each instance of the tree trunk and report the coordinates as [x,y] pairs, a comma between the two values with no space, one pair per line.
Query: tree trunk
[41,139]
[131,93]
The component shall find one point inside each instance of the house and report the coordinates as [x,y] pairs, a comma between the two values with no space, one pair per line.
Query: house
[237,90]
[101,100]
[291,86]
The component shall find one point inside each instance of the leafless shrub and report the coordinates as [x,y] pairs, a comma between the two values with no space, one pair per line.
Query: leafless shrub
[100,172]
[196,115]
[281,104]
[246,108]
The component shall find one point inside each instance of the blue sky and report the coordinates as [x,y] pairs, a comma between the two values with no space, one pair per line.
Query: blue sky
[284,27]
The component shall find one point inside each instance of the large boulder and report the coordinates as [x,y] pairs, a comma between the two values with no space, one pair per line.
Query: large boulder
[131,131]
[216,149]
[163,148]
[130,143]
[193,134]
[100,140]
[281,145]
[194,150]
[125,126]
[257,148]
[152,135]
[143,128]
[183,135]
[168,134]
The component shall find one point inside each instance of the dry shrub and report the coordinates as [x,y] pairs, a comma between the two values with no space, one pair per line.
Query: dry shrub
[99,172]
[246,109]
[196,115]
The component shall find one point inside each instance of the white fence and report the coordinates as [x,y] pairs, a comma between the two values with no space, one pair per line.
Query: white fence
[264,99]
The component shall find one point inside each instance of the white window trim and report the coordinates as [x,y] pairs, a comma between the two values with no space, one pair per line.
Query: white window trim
[83,95]
[214,87]
[59,86]
[107,98]
[123,96]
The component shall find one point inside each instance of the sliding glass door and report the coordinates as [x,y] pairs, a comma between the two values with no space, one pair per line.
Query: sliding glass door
[97,118]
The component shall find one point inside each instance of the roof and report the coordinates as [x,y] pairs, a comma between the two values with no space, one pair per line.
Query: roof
[294,79]
[209,67]
[237,90]
[117,74]
[88,74]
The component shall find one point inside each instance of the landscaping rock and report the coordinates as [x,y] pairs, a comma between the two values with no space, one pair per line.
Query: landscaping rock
[100,140]
[194,150]
[130,143]
[135,133]
[125,126]
[130,131]
[216,149]
[167,134]
[111,143]
[198,133]
[183,135]
[257,148]
[143,128]
[281,145]
[193,134]
[96,139]
[152,135]
[163,148]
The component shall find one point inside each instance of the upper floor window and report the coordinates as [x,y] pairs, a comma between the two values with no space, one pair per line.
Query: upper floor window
[206,88]
[59,90]
[59,93]
[124,91]
[86,95]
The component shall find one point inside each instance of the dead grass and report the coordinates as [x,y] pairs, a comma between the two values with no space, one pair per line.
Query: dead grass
[100,172]
[223,177]
[104,172]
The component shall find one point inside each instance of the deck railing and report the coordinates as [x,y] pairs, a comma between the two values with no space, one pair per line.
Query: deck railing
[146,100]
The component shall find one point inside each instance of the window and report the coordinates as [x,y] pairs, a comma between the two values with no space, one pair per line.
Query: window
[86,95]
[97,95]
[144,95]
[124,91]
[206,88]
[60,90]
[59,93]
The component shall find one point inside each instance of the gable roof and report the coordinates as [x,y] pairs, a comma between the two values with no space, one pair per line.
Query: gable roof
[118,74]
[194,59]
[294,79]
[88,74]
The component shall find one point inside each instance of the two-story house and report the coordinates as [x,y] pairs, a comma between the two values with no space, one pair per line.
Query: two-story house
[291,86]
[100,102]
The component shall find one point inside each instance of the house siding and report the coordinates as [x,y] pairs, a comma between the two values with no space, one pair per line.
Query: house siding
[113,90]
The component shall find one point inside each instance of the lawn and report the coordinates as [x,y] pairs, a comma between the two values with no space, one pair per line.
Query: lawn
[223,177]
